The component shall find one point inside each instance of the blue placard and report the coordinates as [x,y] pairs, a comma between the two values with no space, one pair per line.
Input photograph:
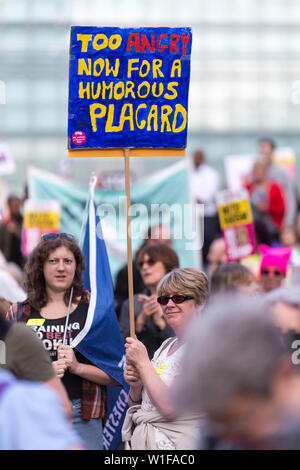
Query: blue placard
[129,87]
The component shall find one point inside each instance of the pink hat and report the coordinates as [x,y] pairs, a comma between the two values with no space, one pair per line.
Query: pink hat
[278,257]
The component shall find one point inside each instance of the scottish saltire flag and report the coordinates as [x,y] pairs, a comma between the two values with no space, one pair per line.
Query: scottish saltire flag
[100,341]
[152,193]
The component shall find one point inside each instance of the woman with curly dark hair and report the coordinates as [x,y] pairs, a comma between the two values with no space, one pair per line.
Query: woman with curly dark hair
[52,273]
[35,282]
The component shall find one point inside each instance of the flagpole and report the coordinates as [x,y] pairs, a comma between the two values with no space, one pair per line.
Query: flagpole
[68,315]
[92,185]
[129,245]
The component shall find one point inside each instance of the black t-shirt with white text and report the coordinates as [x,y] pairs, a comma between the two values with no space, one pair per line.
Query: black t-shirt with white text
[51,332]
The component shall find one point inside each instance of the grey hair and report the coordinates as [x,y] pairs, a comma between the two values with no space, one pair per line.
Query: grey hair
[233,350]
[286,295]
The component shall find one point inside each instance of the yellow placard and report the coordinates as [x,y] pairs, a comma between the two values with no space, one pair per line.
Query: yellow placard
[235,213]
[41,220]
[35,322]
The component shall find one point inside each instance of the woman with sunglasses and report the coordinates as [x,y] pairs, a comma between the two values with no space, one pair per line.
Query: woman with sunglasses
[151,422]
[153,262]
[52,270]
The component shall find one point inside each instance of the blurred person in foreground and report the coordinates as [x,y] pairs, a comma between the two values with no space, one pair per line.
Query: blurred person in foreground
[237,372]
[285,303]
[232,277]
[152,421]
[25,421]
[153,262]
[25,356]
[273,267]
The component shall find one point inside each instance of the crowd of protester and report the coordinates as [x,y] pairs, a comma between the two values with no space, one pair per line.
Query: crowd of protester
[214,362]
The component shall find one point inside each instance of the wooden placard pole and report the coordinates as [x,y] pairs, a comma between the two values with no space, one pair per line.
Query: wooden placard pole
[129,245]
[129,122]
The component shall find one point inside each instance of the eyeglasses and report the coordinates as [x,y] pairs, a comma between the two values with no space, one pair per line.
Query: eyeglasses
[267,271]
[54,236]
[150,262]
[177,299]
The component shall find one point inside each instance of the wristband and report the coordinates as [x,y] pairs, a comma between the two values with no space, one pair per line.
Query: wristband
[134,401]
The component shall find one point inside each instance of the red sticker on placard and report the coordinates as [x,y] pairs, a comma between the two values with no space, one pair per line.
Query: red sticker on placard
[78,138]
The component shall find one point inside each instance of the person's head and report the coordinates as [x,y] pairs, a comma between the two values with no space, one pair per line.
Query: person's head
[259,172]
[55,265]
[156,234]
[266,149]
[216,255]
[154,261]
[159,234]
[273,266]
[14,205]
[4,307]
[285,304]
[288,236]
[182,294]
[232,366]
[198,157]
[232,277]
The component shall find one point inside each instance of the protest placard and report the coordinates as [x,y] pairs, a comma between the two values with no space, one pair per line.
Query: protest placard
[39,217]
[236,223]
[128,96]
[128,88]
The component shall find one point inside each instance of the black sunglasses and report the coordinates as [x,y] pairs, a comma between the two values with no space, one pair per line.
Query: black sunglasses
[177,299]
[267,272]
[54,236]
[150,262]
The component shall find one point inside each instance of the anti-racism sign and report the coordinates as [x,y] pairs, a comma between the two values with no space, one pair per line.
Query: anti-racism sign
[40,217]
[236,223]
[128,87]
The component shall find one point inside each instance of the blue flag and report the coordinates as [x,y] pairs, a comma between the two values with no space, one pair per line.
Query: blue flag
[100,341]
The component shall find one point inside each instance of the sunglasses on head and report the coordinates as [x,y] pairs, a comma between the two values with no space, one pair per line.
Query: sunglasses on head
[267,271]
[177,299]
[54,236]
[150,262]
